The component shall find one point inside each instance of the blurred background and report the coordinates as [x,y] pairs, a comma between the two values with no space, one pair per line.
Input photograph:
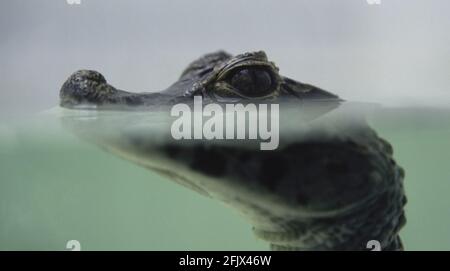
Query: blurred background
[395,52]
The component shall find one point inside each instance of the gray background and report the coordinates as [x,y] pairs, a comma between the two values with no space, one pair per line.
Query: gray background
[397,52]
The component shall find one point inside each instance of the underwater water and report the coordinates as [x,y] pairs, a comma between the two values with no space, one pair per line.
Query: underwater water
[55,187]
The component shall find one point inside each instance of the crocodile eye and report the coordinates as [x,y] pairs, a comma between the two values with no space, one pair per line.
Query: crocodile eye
[252,82]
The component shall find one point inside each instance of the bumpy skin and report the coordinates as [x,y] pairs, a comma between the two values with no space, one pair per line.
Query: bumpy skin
[316,192]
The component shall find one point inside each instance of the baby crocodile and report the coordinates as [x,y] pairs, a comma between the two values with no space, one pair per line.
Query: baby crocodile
[327,187]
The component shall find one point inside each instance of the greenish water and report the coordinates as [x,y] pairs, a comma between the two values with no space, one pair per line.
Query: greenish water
[421,140]
[55,187]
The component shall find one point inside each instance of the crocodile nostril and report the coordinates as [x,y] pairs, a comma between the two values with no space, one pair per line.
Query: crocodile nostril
[85,87]
[88,75]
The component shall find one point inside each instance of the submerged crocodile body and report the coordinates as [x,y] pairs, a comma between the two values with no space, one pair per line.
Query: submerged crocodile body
[322,189]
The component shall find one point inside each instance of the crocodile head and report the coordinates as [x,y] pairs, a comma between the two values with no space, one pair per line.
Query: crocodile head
[331,184]
[218,77]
